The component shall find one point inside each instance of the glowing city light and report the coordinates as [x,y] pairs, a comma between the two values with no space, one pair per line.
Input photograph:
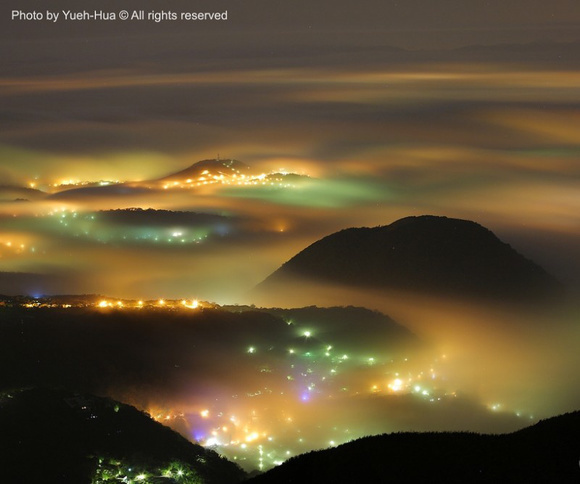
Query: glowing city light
[307,379]
[193,305]
[253,436]
[396,385]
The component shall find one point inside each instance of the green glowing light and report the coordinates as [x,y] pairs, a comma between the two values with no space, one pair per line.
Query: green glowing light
[329,193]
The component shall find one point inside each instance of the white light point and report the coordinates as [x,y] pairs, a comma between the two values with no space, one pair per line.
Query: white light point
[396,385]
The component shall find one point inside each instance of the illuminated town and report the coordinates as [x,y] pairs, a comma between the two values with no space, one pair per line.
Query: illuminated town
[302,392]
[203,174]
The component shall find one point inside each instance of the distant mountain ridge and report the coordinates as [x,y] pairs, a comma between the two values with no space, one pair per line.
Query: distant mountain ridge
[217,166]
[425,254]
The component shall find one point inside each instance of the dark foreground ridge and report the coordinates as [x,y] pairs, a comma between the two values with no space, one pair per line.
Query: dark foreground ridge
[59,436]
[424,254]
[547,452]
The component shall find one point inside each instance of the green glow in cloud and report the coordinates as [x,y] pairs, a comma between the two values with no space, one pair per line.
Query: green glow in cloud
[337,193]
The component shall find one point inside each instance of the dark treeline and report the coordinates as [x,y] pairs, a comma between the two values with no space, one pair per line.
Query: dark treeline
[544,453]
[65,437]
[96,350]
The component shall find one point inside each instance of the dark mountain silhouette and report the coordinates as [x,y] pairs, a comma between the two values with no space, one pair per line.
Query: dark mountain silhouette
[159,348]
[152,217]
[59,436]
[92,191]
[361,328]
[425,254]
[546,452]
[65,347]
[17,193]
[217,167]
